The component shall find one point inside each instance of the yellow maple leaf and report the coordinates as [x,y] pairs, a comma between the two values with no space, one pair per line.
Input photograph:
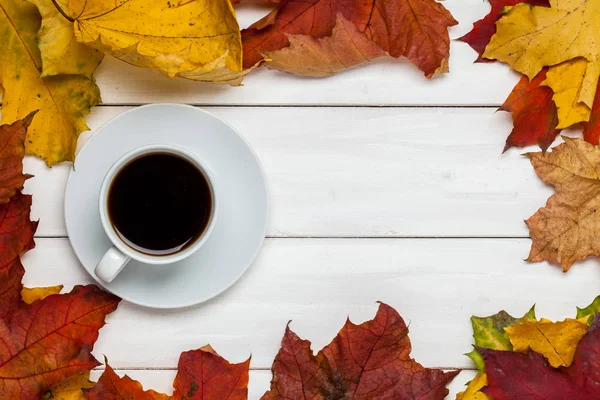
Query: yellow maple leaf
[194,39]
[530,38]
[70,388]
[473,391]
[61,53]
[567,229]
[557,341]
[29,295]
[345,48]
[61,100]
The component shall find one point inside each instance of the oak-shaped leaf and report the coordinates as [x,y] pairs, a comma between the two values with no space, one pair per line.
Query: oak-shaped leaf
[201,375]
[416,29]
[513,375]
[567,229]
[370,360]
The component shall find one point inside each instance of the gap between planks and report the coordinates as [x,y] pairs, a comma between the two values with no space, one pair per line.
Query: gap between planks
[355,237]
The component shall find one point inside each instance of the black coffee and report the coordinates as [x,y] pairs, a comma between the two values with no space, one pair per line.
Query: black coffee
[159,203]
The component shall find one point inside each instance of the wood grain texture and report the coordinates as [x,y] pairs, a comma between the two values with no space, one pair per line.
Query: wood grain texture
[435,284]
[365,172]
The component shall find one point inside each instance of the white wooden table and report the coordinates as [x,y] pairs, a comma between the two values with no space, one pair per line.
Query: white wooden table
[384,186]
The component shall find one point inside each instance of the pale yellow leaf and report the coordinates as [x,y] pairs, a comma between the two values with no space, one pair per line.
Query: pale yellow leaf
[29,295]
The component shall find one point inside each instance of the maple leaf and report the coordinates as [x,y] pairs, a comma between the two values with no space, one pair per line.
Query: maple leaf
[563,37]
[29,295]
[51,340]
[12,150]
[202,375]
[416,29]
[534,114]
[196,39]
[367,360]
[70,389]
[61,53]
[485,28]
[63,100]
[345,48]
[16,237]
[528,376]
[568,227]
[556,341]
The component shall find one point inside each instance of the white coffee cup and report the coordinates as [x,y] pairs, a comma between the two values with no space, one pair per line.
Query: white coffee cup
[117,257]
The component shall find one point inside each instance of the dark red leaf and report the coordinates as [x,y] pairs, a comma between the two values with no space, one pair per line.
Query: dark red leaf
[12,150]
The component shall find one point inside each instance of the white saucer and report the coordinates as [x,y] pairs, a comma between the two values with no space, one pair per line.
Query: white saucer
[238,233]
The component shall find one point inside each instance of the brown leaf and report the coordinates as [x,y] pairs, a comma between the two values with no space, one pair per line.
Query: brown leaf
[345,48]
[568,228]
[416,29]
[12,150]
[370,360]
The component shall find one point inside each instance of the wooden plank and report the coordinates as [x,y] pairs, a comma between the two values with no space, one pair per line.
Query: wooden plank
[435,284]
[162,381]
[383,82]
[365,172]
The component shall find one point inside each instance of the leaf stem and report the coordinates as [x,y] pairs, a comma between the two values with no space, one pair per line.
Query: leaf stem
[60,10]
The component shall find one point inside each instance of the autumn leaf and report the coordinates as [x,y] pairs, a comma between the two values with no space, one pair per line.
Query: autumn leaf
[416,29]
[590,311]
[195,39]
[534,114]
[16,237]
[12,150]
[563,37]
[568,227]
[345,48]
[202,375]
[61,53]
[367,360]
[556,341]
[62,100]
[513,375]
[591,128]
[29,295]
[485,28]
[70,389]
[473,391]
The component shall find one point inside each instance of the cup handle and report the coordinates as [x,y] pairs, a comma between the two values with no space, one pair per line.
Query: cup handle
[111,264]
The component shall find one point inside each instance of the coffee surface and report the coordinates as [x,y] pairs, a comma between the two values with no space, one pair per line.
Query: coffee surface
[159,203]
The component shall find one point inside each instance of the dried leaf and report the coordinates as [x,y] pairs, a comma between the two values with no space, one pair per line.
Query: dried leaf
[61,53]
[534,114]
[110,386]
[345,48]
[530,38]
[29,295]
[16,237]
[70,389]
[62,100]
[485,28]
[51,340]
[474,387]
[513,375]
[568,228]
[370,360]
[416,29]
[556,341]
[194,39]
[202,375]
[12,150]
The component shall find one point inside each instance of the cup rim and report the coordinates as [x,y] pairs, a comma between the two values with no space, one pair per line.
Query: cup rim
[103,204]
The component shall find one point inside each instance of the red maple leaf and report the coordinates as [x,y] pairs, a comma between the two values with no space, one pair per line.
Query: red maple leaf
[366,361]
[521,376]
[201,375]
[12,150]
[534,113]
[483,30]
[591,129]
[416,29]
